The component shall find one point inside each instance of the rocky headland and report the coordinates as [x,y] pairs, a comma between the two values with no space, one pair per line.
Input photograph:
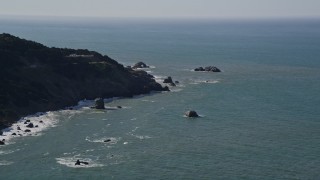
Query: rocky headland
[35,78]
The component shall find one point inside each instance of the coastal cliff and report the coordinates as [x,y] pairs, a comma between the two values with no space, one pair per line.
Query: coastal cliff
[35,78]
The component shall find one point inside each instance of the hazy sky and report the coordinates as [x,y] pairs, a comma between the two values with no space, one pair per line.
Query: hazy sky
[164,8]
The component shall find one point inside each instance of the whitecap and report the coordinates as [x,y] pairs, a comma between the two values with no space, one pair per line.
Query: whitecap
[204,81]
[209,81]
[70,162]
[141,137]
[113,140]
[146,100]
[132,133]
[5,163]
[176,90]
[6,152]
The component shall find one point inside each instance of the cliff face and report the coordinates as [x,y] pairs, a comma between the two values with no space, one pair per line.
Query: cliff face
[36,78]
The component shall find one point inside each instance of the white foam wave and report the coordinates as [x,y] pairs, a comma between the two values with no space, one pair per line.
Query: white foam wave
[5,163]
[150,67]
[70,162]
[40,121]
[132,133]
[159,77]
[8,152]
[146,100]
[141,137]
[200,115]
[107,140]
[176,90]
[205,81]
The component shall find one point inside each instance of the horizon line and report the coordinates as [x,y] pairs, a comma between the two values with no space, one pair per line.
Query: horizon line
[66,18]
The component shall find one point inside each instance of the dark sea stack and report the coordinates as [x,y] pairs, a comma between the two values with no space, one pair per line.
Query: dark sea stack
[140,65]
[169,81]
[2,143]
[14,134]
[30,125]
[70,76]
[99,103]
[191,114]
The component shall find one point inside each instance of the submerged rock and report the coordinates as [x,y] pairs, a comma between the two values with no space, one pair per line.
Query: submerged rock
[191,114]
[140,65]
[14,134]
[99,103]
[119,107]
[107,140]
[1,133]
[27,130]
[2,143]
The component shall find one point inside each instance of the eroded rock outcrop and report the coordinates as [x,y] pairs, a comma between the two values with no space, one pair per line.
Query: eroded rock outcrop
[169,81]
[140,65]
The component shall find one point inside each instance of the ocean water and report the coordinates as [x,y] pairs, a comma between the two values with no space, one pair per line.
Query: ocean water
[260,117]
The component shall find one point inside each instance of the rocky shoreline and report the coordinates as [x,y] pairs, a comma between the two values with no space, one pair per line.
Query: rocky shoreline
[36,78]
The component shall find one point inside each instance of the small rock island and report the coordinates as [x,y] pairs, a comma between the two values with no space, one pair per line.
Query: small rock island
[35,78]
[192,113]
[208,69]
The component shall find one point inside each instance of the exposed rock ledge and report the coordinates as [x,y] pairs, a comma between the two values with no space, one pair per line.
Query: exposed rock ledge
[35,78]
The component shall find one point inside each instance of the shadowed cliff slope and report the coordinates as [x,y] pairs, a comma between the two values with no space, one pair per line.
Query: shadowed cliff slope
[36,78]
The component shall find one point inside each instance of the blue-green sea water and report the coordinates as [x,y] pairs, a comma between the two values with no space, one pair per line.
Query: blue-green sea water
[260,116]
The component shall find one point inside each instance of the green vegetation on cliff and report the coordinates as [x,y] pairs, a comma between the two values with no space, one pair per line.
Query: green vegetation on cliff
[36,78]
